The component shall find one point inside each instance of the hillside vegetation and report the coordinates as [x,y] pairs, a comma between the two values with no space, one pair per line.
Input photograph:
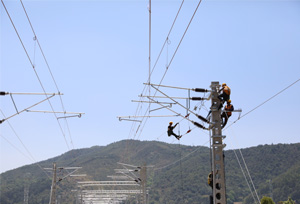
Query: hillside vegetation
[273,168]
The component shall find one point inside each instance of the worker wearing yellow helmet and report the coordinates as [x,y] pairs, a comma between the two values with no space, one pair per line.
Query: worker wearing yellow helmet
[225,95]
[227,113]
[170,130]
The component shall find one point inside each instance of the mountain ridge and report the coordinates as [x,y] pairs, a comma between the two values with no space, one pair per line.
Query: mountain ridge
[172,180]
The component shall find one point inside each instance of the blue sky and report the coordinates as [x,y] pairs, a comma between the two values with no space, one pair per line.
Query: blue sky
[98,54]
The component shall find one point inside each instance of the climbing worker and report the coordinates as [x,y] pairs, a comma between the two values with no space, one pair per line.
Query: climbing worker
[227,113]
[225,95]
[210,179]
[170,130]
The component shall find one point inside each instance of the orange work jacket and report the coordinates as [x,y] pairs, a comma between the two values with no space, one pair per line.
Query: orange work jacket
[226,90]
[227,108]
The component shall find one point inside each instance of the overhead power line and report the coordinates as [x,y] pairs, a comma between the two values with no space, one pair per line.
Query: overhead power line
[180,41]
[264,102]
[139,106]
[29,153]
[40,82]
[173,55]
[163,167]
[16,148]
[49,69]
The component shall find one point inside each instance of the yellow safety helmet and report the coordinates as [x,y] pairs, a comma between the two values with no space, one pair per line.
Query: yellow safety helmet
[224,84]
[170,122]
[229,101]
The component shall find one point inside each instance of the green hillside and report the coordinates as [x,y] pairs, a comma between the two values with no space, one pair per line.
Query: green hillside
[171,180]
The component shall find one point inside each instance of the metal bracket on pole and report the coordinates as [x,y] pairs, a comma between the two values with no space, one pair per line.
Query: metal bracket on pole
[170,106]
[2,93]
[76,114]
[174,87]
[1,121]
[153,102]
[175,97]
[149,116]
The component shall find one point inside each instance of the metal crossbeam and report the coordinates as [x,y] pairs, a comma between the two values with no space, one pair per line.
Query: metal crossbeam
[112,191]
[106,182]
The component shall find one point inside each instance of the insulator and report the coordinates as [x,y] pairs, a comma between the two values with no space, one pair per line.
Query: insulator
[199,125]
[200,90]
[202,118]
[2,93]
[197,98]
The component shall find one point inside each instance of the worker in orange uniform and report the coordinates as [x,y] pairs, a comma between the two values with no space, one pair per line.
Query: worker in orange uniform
[170,130]
[210,179]
[225,95]
[227,113]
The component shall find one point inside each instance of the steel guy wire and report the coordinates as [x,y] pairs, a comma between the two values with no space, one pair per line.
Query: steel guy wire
[163,167]
[244,176]
[249,176]
[264,102]
[246,167]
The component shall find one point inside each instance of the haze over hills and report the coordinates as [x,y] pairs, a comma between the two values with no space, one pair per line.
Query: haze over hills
[171,180]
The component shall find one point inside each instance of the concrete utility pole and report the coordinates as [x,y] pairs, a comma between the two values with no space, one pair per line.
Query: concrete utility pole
[143,175]
[219,188]
[53,186]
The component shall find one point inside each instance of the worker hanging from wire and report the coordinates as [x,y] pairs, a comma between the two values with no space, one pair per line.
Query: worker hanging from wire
[170,130]
[225,95]
[227,113]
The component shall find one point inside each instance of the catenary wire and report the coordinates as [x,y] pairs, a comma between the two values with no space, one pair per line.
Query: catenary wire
[36,73]
[167,38]
[158,59]
[174,54]
[140,104]
[180,42]
[49,69]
